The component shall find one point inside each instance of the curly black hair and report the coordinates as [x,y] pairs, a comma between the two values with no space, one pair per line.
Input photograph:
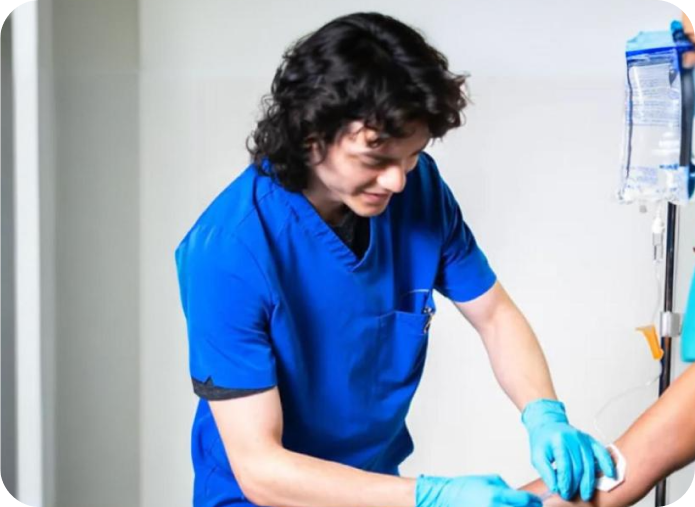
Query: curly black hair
[364,66]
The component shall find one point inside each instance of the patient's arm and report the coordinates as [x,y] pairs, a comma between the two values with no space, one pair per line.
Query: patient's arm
[660,442]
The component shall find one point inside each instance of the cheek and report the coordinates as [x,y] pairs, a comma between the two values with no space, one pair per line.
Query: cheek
[362,182]
[354,179]
[347,182]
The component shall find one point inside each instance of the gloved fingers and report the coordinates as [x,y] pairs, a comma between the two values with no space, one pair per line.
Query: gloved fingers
[513,498]
[542,464]
[576,454]
[604,459]
[564,467]
[497,481]
[588,480]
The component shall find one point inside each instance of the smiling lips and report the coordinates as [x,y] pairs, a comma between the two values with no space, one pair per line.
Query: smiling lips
[373,198]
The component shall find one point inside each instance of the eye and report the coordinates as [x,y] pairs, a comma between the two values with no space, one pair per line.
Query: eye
[375,164]
[379,164]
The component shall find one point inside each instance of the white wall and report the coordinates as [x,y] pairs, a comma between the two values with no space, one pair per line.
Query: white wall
[93,168]
[535,170]
[26,253]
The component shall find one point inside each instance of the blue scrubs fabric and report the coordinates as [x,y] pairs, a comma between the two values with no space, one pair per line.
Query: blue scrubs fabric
[273,297]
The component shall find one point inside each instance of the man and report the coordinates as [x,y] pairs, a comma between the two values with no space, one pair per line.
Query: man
[307,287]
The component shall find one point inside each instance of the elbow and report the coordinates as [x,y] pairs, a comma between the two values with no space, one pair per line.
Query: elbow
[253,491]
[256,481]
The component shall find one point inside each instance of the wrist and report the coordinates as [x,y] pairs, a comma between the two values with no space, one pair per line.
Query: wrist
[427,490]
[408,492]
[542,411]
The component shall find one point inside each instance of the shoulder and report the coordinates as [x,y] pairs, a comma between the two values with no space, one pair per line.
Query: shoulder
[426,194]
[238,202]
[242,214]
[232,236]
[425,183]
[213,263]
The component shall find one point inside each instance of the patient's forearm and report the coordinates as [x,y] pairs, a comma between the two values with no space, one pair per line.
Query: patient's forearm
[660,442]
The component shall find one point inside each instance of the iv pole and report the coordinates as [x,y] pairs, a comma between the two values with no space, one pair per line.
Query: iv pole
[670,323]
[666,360]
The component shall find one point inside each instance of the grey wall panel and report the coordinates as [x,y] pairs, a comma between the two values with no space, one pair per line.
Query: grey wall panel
[8,424]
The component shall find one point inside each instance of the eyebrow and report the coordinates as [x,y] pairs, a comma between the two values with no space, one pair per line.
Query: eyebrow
[384,158]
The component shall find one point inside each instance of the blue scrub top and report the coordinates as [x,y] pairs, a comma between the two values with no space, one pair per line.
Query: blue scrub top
[273,297]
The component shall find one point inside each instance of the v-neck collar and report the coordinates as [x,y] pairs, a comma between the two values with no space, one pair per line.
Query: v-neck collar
[311,221]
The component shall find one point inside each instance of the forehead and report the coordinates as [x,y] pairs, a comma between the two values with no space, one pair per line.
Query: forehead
[362,137]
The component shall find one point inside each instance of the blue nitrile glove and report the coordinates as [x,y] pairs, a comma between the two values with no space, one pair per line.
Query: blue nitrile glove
[575,454]
[470,491]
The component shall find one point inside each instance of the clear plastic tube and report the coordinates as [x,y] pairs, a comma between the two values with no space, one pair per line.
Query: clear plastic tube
[617,397]
[658,269]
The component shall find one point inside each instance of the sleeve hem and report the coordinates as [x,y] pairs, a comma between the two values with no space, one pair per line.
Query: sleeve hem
[463,293]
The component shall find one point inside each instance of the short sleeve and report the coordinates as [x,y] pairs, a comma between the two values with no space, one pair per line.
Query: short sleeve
[464,272]
[227,305]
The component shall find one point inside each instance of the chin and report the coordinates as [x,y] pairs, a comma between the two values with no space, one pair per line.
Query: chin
[367,210]
[368,213]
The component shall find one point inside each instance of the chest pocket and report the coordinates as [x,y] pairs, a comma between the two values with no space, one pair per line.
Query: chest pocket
[403,335]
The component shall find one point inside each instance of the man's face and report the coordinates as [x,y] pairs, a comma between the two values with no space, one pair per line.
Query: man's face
[362,177]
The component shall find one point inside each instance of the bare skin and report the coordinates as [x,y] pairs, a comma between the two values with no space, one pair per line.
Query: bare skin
[660,442]
[689,56]
[361,172]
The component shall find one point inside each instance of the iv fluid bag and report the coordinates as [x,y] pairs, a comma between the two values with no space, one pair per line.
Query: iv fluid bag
[651,169]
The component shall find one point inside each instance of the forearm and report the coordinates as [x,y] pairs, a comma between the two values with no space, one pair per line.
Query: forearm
[516,357]
[282,478]
[660,442]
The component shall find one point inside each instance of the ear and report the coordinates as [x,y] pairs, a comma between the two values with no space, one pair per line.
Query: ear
[312,146]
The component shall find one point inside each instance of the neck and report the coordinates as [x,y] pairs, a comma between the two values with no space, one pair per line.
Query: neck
[330,210]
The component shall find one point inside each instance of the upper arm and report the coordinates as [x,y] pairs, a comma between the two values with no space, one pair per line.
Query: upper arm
[228,308]
[483,310]
[251,430]
[464,273]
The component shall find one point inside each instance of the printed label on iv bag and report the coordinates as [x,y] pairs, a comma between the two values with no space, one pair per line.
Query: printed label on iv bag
[655,99]
[651,169]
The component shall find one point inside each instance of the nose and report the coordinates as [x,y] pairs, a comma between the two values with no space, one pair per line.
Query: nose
[393,178]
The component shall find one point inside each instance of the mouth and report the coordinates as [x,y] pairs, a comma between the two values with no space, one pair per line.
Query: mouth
[376,198]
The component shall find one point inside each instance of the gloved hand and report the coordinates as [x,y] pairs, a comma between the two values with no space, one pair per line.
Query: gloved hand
[470,491]
[575,454]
